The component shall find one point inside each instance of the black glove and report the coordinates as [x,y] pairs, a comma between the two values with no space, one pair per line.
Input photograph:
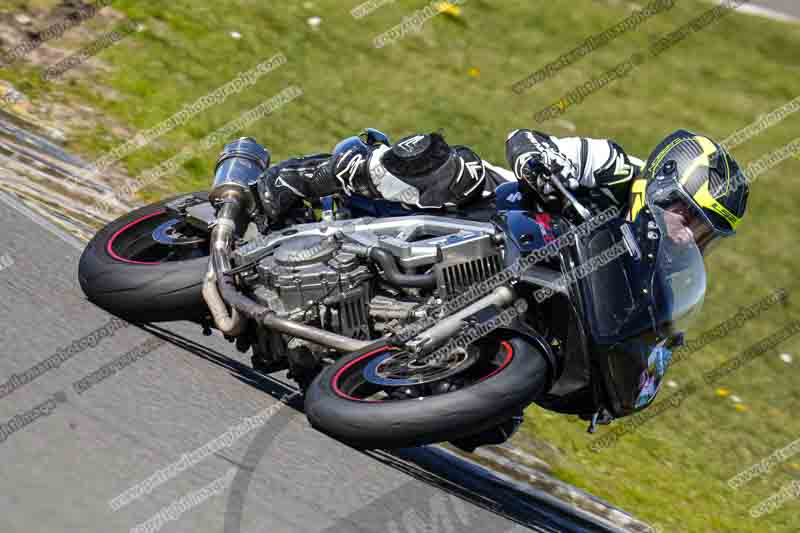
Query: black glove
[536,160]
[539,168]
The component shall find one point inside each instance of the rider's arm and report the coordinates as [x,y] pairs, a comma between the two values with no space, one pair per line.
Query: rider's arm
[382,171]
[580,162]
[309,178]
[363,168]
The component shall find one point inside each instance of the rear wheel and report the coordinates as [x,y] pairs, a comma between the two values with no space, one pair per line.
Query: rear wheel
[385,398]
[148,265]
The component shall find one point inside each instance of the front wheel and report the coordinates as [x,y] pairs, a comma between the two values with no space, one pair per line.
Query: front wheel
[384,398]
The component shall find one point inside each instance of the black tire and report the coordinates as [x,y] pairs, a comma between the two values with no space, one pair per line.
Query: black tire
[438,418]
[143,291]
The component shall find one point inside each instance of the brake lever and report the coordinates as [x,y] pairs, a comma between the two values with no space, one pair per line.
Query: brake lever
[582,211]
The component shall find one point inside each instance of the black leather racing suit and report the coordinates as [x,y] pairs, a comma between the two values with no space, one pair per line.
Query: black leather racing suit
[419,171]
[438,176]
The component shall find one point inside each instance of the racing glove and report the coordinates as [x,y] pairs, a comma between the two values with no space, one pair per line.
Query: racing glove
[537,160]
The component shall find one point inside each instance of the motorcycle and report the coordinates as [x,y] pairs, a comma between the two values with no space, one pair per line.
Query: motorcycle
[404,327]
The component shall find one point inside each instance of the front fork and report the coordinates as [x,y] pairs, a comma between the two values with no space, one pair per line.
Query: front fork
[445,329]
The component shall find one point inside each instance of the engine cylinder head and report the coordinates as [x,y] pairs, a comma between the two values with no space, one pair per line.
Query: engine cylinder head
[303,251]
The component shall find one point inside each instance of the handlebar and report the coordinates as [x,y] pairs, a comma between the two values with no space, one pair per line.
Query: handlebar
[582,211]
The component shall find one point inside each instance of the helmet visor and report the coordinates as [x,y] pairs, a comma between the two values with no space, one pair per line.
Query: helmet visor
[684,220]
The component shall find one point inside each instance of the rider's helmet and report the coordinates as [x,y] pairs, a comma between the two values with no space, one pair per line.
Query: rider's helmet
[695,179]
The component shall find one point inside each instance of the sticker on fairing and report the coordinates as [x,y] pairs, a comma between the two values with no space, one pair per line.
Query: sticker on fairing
[545,223]
[650,379]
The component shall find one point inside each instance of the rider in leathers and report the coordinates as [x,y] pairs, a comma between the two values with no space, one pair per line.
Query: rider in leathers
[423,172]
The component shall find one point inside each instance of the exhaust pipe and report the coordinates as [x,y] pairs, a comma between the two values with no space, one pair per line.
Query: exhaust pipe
[238,168]
[230,324]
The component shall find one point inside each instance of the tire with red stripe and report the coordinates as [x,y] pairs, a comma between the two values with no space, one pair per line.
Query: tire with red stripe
[114,275]
[518,379]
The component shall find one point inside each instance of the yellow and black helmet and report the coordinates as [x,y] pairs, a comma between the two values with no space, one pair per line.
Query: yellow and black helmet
[695,176]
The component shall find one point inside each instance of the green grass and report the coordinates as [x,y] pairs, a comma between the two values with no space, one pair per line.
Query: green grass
[673,470]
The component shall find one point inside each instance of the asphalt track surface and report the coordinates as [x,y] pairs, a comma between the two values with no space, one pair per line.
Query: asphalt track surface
[59,472]
[789,7]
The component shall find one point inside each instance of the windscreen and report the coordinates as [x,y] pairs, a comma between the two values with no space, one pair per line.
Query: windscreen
[658,287]
[679,282]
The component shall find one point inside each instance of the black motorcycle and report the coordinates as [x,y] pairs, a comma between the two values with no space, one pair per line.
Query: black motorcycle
[405,327]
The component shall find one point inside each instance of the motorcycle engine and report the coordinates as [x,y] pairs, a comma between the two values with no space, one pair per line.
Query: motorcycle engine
[318,273]
[309,276]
